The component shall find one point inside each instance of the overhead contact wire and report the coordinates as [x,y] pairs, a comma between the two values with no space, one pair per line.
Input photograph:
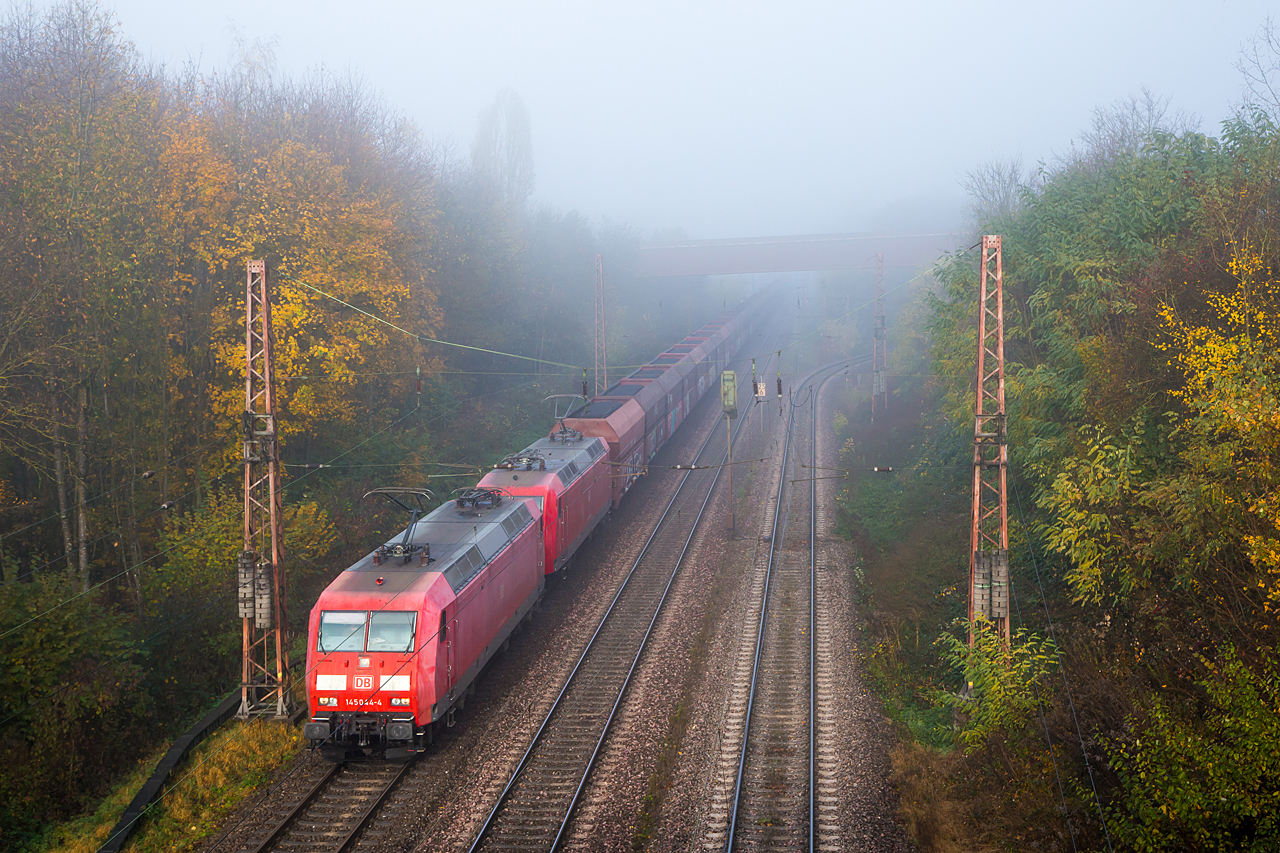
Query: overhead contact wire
[424,338]
[1044,721]
[324,657]
[110,533]
[208,527]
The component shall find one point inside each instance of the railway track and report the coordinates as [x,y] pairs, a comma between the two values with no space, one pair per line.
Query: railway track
[332,815]
[534,809]
[774,785]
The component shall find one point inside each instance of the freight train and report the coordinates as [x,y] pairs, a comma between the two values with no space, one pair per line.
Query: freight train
[396,641]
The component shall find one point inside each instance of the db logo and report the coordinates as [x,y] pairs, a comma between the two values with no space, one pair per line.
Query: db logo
[364,682]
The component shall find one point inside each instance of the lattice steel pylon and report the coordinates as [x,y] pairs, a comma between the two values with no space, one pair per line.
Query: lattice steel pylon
[989,538]
[879,356]
[264,683]
[602,366]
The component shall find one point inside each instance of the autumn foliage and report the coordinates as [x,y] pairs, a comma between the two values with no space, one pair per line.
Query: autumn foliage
[130,199]
[1142,312]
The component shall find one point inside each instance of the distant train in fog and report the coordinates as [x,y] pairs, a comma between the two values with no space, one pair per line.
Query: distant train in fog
[396,641]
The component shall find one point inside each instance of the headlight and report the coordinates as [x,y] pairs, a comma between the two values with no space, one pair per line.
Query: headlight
[328,700]
[400,701]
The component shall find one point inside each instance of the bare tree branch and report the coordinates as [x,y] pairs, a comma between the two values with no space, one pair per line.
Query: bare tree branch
[1259,63]
[1124,129]
[994,189]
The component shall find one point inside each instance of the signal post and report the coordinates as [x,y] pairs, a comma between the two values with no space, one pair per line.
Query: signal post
[879,354]
[729,399]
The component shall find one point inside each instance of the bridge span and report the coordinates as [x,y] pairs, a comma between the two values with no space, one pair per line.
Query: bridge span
[801,253]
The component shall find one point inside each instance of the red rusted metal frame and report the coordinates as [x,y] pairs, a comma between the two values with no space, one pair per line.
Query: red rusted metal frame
[879,354]
[264,686]
[990,519]
[602,367]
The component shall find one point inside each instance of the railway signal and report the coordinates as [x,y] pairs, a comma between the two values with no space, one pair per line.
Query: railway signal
[779,384]
[729,393]
[879,359]
[989,536]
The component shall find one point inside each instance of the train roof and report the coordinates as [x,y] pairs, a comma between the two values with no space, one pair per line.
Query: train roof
[537,464]
[624,389]
[461,540]
[598,408]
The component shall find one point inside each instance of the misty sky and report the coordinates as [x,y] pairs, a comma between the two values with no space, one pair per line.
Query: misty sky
[747,119]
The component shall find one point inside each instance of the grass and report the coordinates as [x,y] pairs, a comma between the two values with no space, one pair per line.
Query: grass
[911,534]
[236,761]
[89,831]
[934,817]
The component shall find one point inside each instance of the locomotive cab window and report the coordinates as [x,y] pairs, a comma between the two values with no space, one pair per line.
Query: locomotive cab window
[392,631]
[342,630]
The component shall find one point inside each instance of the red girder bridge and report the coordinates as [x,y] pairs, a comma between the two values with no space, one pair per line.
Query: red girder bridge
[738,256]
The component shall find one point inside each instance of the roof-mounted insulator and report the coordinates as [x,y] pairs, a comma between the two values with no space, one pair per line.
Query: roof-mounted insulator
[565,435]
[478,498]
[523,460]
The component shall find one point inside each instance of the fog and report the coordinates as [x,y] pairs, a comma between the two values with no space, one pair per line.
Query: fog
[746,119]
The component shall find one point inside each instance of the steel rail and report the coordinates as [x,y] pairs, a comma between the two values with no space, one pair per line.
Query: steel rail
[285,824]
[287,821]
[774,550]
[373,807]
[693,529]
[813,621]
[556,705]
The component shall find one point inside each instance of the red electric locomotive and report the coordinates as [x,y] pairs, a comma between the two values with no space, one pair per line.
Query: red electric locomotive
[567,475]
[397,639]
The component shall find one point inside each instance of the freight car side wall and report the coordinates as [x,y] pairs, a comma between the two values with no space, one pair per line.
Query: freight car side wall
[660,419]
[628,464]
[635,431]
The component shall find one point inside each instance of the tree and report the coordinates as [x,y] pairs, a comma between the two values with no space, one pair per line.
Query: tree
[995,190]
[1124,129]
[1259,65]
[502,152]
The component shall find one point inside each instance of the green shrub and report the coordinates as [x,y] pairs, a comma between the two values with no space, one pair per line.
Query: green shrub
[1000,681]
[70,699]
[1213,785]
